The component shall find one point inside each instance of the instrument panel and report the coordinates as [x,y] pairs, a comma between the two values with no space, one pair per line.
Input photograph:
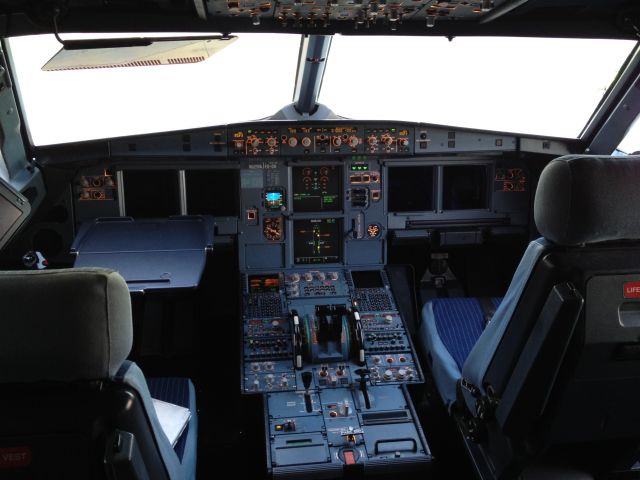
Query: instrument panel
[358,181]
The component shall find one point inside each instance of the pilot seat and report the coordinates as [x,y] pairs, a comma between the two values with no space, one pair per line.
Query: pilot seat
[555,371]
[71,405]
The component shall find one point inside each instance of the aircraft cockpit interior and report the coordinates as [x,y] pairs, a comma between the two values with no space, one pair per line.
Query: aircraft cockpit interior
[319,239]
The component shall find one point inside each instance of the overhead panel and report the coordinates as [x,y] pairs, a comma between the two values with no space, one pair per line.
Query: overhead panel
[365,13]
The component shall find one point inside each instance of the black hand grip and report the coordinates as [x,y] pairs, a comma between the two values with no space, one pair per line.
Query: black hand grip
[394,440]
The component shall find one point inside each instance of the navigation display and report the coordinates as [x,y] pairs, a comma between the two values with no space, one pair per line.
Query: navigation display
[317,188]
[317,240]
[410,189]
[464,187]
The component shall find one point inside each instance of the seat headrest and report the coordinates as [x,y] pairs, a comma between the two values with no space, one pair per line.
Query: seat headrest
[588,199]
[63,325]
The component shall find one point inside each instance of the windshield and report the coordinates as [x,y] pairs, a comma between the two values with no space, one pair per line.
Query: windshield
[525,85]
[236,84]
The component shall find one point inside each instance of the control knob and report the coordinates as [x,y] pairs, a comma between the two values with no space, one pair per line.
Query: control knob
[353,142]
[337,141]
[403,142]
[292,142]
[333,276]
[306,142]
[388,141]
[271,142]
[255,143]
[308,277]
[239,144]
[294,278]
[321,276]
[373,141]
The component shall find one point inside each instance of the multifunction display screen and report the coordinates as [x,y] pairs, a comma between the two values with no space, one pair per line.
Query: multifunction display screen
[464,187]
[264,283]
[317,240]
[411,189]
[317,188]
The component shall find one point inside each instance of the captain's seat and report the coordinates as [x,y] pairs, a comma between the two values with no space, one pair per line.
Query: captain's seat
[71,406]
[557,366]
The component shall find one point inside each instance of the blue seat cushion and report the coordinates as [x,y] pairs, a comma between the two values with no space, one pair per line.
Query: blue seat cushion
[174,390]
[450,329]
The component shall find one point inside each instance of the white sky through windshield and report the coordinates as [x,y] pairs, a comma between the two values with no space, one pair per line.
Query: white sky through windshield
[537,86]
[239,83]
[528,85]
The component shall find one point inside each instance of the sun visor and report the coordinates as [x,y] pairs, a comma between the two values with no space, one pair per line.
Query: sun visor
[134,52]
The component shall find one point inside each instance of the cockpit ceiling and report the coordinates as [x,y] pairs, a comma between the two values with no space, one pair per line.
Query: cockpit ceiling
[558,18]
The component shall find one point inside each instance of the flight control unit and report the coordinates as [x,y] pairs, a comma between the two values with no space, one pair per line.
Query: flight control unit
[323,338]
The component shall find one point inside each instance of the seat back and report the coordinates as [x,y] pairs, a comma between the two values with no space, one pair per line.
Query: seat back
[560,362]
[64,413]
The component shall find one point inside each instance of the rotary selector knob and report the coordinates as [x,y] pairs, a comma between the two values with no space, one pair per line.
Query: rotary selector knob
[255,143]
[333,276]
[294,278]
[353,142]
[306,142]
[308,277]
[271,142]
[292,142]
[337,141]
[372,140]
[388,141]
[403,142]
[321,276]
